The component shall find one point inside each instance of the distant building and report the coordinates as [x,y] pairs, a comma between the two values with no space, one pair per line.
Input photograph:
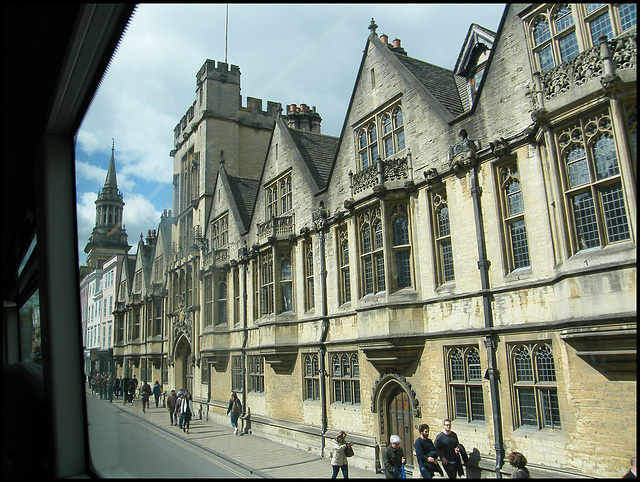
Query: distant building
[108,236]
[466,249]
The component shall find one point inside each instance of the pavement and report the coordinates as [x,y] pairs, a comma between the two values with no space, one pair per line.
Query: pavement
[264,457]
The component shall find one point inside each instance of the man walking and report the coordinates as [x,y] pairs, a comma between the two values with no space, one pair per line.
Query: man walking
[446,445]
[145,393]
[426,453]
[171,406]
[393,458]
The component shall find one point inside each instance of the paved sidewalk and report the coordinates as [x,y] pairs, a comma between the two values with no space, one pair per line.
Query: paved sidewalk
[264,457]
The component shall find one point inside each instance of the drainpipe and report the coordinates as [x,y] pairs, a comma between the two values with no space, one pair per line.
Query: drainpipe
[320,221]
[492,372]
[243,255]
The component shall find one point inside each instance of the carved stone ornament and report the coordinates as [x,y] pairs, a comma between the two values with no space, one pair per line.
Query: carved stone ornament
[383,383]
[500,147]
[462,155]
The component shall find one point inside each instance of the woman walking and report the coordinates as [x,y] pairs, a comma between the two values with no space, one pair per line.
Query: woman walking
[235,408]
[339,448]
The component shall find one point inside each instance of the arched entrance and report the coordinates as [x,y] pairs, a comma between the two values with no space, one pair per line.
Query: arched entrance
[395,402]
[400,420]
[183,368]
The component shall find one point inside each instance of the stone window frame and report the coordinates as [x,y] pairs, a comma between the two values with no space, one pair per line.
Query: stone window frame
[345,378]
[344,264]
[507,176]
[311,377]
[285,276]
[465,379]
[279,196]
[598,222]
[236,373]
[256,373]
[221,315]
[208,300]
[442,240]
[372,139]
[371,251]
[220,232]
[401,270]
[580,27]
[309,291]
[236,295]
[535,376]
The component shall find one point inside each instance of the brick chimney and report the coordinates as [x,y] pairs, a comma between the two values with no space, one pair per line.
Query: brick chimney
[303,118]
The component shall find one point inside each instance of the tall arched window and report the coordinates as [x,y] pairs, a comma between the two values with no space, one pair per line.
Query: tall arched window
[534,386]
[593,183]
[311,377]
[401,245]
[465,384]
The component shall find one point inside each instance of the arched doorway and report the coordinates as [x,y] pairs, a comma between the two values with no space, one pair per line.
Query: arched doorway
[396,404]
[183,368]
[400,419]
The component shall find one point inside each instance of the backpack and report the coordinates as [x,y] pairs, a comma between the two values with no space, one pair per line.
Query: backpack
[235,407]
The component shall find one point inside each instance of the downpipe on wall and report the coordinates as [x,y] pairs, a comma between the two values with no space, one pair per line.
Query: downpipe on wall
[492,373]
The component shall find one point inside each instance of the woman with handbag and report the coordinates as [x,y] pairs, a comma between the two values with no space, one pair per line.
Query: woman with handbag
[340,450]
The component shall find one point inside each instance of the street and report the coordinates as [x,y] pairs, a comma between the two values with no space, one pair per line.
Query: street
[122,445]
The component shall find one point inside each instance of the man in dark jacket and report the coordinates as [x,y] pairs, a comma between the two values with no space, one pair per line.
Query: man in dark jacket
[393,458]
[171,406]
[446,445]
[426,454]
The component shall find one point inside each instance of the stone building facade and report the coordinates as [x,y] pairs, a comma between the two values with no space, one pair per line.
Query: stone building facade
[466,249]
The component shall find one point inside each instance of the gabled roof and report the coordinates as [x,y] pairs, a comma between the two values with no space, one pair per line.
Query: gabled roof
[317,152]
[243,193]
[440,82]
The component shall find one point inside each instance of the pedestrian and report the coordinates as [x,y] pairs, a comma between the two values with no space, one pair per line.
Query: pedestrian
[517,460]
[157,390]
[134,380]
[235,407]
[426,454]
[633,471]
[179,412]
[187,410]
[145,393]
[393,459]
[340,450]
[116,387]
[132,390]
[449,450]
[171,406]
[110,384]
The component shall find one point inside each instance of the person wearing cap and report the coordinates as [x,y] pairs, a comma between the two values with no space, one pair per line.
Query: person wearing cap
[393,458]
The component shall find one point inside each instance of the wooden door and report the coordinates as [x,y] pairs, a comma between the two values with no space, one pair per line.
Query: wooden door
[400,422]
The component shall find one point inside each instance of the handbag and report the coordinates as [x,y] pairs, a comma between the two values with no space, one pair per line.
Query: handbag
[348,451]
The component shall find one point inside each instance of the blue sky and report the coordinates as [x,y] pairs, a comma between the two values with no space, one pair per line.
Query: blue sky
[287,53]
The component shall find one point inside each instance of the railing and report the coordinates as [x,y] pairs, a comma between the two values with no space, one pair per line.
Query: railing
[276,227]
[590,64]
[389,170]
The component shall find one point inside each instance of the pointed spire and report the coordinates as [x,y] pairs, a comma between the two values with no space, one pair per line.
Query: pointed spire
[110,181]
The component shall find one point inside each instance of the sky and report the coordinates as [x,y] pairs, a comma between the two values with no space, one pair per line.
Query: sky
[287,53]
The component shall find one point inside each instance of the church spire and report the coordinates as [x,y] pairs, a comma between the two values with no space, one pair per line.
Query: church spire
[109,236]
[111,183]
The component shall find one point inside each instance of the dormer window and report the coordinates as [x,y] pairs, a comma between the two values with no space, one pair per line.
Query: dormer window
[391,141]
[558,33]
[279,197]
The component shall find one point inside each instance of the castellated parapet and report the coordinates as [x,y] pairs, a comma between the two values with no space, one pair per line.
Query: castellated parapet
[218,96]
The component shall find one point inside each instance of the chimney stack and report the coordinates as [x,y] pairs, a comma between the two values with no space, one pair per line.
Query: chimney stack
[384,38]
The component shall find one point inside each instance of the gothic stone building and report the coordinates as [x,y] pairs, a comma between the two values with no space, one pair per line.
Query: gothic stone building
[466,249]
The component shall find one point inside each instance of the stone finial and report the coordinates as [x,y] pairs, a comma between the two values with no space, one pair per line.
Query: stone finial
[373,26]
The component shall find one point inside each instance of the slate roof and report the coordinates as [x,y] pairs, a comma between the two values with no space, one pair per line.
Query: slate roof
[244,192]
[440,82]
[318,152]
